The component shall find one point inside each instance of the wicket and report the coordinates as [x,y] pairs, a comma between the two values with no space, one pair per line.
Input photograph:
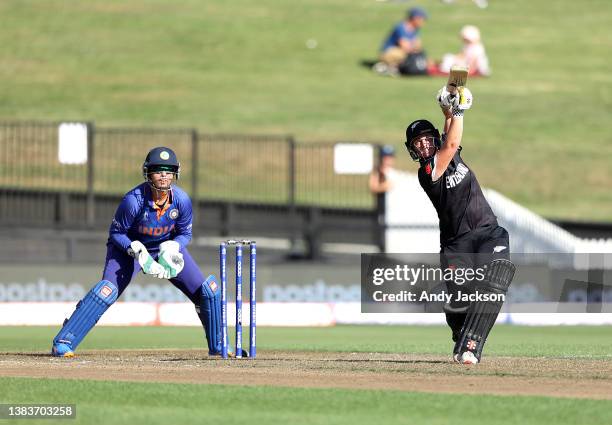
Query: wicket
[252,296]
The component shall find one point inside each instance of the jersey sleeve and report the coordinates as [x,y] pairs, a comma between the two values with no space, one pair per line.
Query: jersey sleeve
[124,217]
[184,222]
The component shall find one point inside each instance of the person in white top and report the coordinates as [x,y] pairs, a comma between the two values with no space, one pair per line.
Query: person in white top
[473,55]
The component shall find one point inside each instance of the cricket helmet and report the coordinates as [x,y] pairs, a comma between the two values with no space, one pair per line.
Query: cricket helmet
[417,129]
[161,159]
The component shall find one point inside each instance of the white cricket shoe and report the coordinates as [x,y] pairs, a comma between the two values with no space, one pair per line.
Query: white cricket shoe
[468,358]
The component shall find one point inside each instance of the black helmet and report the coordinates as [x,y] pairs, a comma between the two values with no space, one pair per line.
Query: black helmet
[418,128]
[161,159]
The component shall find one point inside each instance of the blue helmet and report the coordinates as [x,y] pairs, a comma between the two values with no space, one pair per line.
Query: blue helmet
[161,159]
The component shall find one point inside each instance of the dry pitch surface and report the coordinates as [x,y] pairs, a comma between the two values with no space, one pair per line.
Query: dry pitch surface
[577,378]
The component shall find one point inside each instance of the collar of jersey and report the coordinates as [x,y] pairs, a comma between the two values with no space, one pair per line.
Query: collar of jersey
[160,211]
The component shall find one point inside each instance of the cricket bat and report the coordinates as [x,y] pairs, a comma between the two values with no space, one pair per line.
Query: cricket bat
[457,78]
[456,81]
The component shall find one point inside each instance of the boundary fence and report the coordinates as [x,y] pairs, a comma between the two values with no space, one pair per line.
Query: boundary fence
[72,175]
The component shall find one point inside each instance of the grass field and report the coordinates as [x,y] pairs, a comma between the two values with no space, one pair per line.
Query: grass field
[139,386]
[538,131]
[553,342]
[121,403]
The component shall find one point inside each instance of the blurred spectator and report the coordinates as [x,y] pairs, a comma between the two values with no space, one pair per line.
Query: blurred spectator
[381,178]
[472,55]
[403,40]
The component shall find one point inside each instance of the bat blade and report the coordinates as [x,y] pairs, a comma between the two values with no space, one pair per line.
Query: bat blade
[457,78]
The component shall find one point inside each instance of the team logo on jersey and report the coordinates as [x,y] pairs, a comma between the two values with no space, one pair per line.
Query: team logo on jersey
[155,231]
[456,178]
[164,155]
[106,291]
[173,214]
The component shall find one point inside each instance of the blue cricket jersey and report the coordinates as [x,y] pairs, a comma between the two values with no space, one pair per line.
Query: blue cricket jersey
[399,31]
[138,218]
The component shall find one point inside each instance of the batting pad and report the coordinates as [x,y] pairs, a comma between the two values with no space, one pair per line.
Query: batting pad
[209,312]
[482,314]
[88,312]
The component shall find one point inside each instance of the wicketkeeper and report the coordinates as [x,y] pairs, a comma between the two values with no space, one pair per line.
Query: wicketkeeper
[150,232]
[469,233]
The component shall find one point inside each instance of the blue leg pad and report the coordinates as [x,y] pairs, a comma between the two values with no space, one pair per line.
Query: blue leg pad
[209,312]
[88,312]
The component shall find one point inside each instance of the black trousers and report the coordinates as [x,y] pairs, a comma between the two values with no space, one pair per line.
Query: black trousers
[472,250]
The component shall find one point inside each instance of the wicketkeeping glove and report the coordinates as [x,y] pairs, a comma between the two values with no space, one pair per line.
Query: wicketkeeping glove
[456,102]
[170,258]
[148,264]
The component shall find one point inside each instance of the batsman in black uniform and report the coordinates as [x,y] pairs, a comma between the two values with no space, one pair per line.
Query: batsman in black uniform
[469,234]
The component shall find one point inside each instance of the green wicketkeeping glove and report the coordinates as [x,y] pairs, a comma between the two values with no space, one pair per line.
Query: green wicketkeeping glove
[170,258]
[148,264]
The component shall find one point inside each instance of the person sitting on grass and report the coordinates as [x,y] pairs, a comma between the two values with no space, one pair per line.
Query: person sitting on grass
[472,55]
[403,40]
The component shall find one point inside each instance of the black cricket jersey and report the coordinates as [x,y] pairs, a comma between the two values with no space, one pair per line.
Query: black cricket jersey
[457,197]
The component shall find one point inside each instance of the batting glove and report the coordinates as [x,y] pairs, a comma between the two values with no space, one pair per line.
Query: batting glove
[456,102]
[444,98]
[170,258]
[465,98]
[149,266]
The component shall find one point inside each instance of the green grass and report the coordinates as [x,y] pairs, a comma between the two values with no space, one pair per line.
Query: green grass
[537,132]
[565,341]
[128,403]
[163,403]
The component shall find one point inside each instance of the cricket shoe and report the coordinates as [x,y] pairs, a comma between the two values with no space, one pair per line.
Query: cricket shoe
[467,357]
[61,350]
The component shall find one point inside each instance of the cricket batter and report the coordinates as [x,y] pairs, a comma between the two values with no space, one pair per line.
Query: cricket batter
[150,232]
[469,233]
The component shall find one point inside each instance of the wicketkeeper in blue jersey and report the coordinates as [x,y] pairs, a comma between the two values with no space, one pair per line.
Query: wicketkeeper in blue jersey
[150,232]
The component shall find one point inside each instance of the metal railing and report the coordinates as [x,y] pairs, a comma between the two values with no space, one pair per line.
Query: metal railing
[258,169]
